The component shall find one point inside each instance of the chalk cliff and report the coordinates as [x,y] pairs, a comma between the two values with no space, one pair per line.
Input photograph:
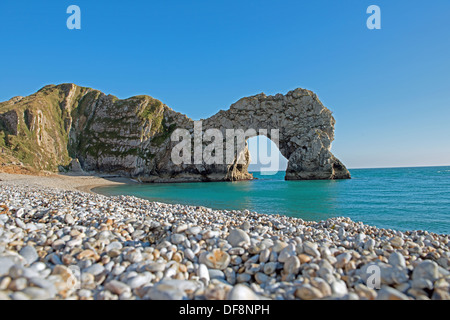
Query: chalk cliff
[65,126]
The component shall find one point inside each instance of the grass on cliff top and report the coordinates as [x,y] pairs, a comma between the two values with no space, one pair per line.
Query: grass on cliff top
[164,134]
[153,112]
[56,149]
[42,114]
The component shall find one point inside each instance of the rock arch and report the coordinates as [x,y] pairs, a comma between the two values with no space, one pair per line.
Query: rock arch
[306,130]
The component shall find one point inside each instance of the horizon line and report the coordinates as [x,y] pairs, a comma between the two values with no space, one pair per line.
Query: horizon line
[399,167]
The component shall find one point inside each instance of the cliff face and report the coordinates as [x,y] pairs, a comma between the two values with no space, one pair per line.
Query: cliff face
[132,137]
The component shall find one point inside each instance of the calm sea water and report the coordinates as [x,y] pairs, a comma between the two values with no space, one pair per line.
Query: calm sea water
[394,198]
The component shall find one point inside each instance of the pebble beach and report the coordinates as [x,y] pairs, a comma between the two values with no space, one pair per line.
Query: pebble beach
[58,242]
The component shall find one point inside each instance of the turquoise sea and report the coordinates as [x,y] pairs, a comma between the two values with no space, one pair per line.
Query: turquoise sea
[391,198]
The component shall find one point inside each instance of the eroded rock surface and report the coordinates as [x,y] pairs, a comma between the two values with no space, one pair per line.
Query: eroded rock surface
[132,137]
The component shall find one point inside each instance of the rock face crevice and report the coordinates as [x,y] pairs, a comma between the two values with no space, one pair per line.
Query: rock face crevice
[132,137]
[10,121]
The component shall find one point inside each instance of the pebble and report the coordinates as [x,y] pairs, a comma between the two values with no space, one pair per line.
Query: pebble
[389,293]
[264,255]
[216,274]
[278,246]
[286,253]
[422,284]
[270,267]
[261,277]
[322,285]
[20,212]
[69,219]
[95,269]
[203,273]
[242,292]
[84,294]
[397,242]
[311,249]
[118,270]
[193,230]
[396,259]
[5,264]
[307,292]
[304,258]
[343,259]
[18,284]
[171,290]
[217,259]
[19,296]
[236,251]
[55,259]
[178,238]
[4,296]
[339,288]
[243,277]
[139,280]
[181,228]
[29,253]
[20,223]
[116,245]
[155,267]
[440,294]
[117,287]
[37,293]
[292,265]
[246,226]
[4,283]
[238,237]
[133,256]
[43,283]
[73,245]
[427,270]
[369,244]
[189,254]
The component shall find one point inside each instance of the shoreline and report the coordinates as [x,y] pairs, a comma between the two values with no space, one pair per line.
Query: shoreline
[87,181]
[128,248]
[67,182]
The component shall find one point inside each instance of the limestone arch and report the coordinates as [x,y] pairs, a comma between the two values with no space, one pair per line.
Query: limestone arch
[306,131]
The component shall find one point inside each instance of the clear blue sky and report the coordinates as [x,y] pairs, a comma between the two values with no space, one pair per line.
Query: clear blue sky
[389,89]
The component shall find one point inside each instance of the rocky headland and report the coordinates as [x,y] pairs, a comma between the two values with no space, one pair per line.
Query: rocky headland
[71,128]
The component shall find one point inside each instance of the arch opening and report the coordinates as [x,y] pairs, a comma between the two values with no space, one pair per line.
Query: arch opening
[266,158]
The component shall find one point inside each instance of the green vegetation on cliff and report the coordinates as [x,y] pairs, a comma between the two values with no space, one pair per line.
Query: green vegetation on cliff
[59,122]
